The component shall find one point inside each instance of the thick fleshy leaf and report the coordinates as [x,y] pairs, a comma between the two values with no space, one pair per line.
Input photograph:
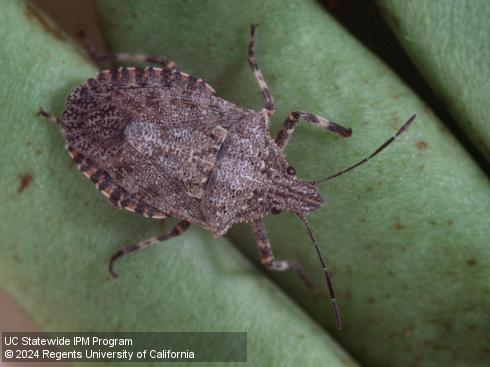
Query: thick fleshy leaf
[448,42]
[58,232]
[407,234]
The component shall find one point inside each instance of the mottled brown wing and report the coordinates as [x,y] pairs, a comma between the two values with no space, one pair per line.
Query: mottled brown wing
[157,135]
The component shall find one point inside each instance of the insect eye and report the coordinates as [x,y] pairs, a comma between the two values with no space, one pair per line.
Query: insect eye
[275,210]
[291,171]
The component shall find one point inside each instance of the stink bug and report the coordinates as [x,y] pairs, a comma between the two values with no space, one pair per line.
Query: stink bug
[160,143]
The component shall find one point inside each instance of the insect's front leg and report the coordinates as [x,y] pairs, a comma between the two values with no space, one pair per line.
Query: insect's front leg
[287,129]
[179,228]
[269,102]
[267,257]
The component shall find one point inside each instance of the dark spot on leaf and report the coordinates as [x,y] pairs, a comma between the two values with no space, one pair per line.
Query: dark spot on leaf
[422,145]
[398,226]
[471,262]
[433,222]
[369,189]
[25,180]
[450,221]
[371,300]
[408,331]
[443,129]
[33,15]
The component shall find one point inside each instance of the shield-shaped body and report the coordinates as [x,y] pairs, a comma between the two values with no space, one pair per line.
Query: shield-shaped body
[165,144]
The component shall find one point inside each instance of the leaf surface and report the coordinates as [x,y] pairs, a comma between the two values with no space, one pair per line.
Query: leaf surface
[448,42]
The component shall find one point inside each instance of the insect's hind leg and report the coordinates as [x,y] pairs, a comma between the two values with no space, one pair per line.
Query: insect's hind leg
[179,228]
[269,102]
[287,129]
[124,57]
[267,257]
[48,116]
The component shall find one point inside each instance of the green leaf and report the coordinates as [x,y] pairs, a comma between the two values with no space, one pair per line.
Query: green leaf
[448,42]
[58,232]
[406,235]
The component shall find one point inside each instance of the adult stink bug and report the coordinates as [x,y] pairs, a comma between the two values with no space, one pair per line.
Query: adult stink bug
[160,143]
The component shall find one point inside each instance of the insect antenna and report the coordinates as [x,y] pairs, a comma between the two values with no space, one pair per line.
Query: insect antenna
[335,307]
[379,149]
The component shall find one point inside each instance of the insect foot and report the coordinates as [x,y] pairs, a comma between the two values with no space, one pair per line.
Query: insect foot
[160,143]
[47,115]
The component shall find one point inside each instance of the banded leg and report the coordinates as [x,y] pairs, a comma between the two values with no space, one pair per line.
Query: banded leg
[287,129]
[124,57]
[267,257]
[48,116]
[269,102]
[179,228]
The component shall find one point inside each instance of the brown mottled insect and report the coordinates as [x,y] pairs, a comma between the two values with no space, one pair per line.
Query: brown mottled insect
[160,143]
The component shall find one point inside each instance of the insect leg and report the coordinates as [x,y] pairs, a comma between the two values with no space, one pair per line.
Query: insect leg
[179,228]
[124,57]
[48,116]
[267,257]
[293,119]
[269,102]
